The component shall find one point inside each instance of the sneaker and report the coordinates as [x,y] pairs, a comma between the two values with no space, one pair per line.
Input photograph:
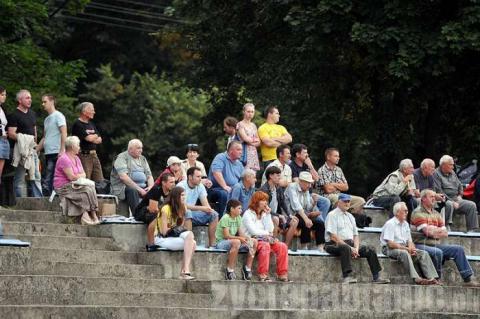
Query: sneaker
[229,275]
[349,280]
[472,284]
[151,248]
[246,274]
[381,281]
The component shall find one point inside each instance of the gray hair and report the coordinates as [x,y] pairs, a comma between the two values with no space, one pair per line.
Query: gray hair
[82,106]
[425,192]
[134,142]
[248,172]
[426,162]
[397,207]
[405,163]
[446,159]
[21,93]
[71,141]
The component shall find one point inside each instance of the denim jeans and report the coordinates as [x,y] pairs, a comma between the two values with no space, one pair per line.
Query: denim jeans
[440,253]
[323,205]
[219,196]
[19,180]
[47,181]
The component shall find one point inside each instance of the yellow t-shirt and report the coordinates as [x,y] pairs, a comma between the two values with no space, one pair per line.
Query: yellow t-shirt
[269,131]
[167,210]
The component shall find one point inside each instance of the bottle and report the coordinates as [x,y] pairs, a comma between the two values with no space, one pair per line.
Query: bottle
[1,229]
[202,239]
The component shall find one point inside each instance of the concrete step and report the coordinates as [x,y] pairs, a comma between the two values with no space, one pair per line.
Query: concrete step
[74,312]
[43,203]
[211,266]
[66,242]
[83,256]
[379,217]
[28,228]
[32,216]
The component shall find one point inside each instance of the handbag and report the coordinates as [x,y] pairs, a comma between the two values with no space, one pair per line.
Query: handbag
[176,231]
[83,181]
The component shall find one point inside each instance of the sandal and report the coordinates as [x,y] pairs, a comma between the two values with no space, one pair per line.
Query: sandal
[264,279]
[284,279]
[422,282]
[186,276]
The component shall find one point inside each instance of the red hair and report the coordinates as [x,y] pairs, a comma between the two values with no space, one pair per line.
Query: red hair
[256,198]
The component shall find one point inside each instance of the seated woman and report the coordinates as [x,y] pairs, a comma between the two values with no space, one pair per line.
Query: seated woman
[75,199]
[230,236]
[257,222]
[191,161]
[172,234]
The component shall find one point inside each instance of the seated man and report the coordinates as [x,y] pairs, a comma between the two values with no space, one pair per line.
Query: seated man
[131,177]
[430,229]
[173,167]
[243,190]
[198,215]
[276,202]
[283,158]
[148,208]
[299,203]
[342,240]
[447,183]
[398,185]
[332,181]
[225,172]
[302,163]
[397,243]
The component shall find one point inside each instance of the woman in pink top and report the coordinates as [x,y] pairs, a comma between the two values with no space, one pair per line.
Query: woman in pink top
[75,199]
[247,132]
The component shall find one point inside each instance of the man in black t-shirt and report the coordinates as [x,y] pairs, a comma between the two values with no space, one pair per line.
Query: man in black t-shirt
[147,210]
[89,137]
[23,121]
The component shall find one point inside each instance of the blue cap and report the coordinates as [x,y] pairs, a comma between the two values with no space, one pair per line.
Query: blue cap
[344,197]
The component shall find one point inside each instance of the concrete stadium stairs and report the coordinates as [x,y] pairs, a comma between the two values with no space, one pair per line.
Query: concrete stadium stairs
[74,271]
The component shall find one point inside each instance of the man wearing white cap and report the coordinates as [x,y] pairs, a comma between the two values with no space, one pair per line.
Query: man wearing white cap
[341,239]
[174,167]
[300,203]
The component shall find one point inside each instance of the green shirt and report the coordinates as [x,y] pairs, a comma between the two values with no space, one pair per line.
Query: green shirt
[233,225]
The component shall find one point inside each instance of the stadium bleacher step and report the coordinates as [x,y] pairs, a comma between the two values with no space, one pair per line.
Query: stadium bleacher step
[52,229]
[66,242]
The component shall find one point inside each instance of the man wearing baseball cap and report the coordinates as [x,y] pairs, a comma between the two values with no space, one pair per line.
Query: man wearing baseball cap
[341,239]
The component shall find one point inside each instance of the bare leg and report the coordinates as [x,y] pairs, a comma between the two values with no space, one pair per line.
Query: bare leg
[291,231]
[188,250]
[276,223]
[211,232]
[2,163]
[188,224]
[151,232]
[249,262]
[233,253]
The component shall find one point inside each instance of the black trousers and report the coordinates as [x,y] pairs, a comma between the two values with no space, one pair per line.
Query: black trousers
[318,227]
[345,254]
[132,197]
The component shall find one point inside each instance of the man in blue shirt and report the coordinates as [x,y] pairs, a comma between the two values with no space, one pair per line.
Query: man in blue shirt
[243,190]
[225,172]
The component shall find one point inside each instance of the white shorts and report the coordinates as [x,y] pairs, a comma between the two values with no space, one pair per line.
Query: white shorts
[172,243]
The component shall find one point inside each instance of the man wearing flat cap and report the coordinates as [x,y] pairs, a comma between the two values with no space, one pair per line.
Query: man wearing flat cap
[300,203]
[341,239]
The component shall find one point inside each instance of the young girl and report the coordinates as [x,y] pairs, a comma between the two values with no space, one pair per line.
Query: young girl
[230,236]
[171,232]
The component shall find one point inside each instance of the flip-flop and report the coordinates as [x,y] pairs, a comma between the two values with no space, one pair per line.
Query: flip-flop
[265,279]
[186,276]
[284,279]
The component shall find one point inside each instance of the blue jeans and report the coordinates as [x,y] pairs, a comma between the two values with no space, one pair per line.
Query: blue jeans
[323,205]
[47,181]
[440,253]
[219,196]
[19,180]
[201,218]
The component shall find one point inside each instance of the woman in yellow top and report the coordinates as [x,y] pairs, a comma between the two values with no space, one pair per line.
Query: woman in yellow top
[171,232]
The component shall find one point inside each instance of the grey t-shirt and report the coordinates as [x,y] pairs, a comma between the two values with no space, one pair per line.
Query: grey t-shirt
[52,125]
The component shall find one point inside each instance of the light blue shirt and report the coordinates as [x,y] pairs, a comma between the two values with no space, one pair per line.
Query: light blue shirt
[193,194]
[240,193]
[231,170]
[52,125]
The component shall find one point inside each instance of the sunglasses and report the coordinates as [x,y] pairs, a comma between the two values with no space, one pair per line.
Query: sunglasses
[192,145]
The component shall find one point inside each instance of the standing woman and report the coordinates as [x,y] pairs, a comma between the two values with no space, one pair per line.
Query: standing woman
[257,222]
[172,234]
[4,145]
[247,132]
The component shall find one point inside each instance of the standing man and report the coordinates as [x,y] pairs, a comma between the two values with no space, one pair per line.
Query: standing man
[131,177]
[53,141]
[230,128]
[89,137]
[225,172]
[198,215]
[447,183]
[341,237]
[332,181]
[272,135]
[22,129]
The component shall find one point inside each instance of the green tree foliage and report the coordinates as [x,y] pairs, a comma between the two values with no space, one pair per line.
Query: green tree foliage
[381,80]
[165,115]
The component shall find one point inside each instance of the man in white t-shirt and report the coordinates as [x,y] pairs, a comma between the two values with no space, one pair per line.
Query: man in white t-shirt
[53,141]
[198,215]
